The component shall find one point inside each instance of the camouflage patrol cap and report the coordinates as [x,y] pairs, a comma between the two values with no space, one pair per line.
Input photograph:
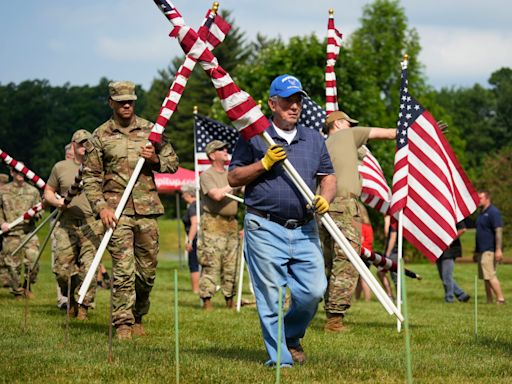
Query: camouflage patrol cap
[214,145]
[122,90]
[80,136]
[4,178]
[188,188]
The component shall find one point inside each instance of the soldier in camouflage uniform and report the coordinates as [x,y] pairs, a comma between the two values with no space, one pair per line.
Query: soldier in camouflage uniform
[345,210]
[4,273]
[74,252]
[111,156]
[15,199]
[217,247]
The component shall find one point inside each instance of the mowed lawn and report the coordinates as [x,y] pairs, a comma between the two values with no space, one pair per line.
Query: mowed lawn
[226,347]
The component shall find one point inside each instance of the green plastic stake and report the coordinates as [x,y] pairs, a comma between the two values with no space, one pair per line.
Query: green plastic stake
[408,355]
[176,326]
[279,335]
[476,306]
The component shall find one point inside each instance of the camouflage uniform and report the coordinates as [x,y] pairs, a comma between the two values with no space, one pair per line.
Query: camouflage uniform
[217,253]
[15,201]
[341,273]
[110,159]
[4,272]
[73,251]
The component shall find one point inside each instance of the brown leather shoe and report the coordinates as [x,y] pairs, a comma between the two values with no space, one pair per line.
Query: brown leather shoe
[82,313]
[138,330]
[334,323]
[207,304]
[73,309]
[298,355]
[124,332]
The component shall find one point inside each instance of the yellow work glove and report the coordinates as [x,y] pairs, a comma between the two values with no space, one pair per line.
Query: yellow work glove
[274,154]
[321,205]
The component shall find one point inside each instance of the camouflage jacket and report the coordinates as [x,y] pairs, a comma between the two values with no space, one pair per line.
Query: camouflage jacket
[110,159]
[15,201]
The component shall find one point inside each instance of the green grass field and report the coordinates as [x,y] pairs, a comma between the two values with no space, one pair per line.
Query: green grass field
[226,347]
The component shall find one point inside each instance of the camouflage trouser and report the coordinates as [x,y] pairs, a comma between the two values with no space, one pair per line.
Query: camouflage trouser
[73,256]
[341,274]
[134,249]
[217,251]
[4,271]
[26,256]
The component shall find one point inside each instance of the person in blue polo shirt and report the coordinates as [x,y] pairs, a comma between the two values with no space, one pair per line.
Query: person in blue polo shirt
[489,246]
[282,244]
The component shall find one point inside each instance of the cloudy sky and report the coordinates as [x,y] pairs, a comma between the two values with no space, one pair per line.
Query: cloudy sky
[80,41]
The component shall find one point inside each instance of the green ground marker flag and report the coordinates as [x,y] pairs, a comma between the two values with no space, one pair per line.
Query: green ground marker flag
[279,335]
[408,355]
[176,326]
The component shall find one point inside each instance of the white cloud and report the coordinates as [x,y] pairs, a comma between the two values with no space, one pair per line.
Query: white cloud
[460,53]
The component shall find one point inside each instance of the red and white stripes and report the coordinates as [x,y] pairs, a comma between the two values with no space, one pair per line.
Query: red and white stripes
[333,50]
[75,188]
[212,31]
[33,211]
[240,107]
[375,190]
[20,167]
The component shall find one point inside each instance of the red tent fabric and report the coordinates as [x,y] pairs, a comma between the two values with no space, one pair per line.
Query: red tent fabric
[171,182]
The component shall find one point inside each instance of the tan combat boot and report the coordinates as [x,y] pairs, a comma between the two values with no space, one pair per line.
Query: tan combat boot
[207,304]
[334,322]
[82,313]
[229,303]
[138,329]
[124,332]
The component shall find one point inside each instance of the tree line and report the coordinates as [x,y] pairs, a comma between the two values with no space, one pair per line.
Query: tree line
[38,119]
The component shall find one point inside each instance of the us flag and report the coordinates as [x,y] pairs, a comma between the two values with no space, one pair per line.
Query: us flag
[375,190]
[207,130]
[429,184]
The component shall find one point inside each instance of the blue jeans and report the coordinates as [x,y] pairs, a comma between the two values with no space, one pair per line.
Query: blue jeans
[281,257]
[451,289]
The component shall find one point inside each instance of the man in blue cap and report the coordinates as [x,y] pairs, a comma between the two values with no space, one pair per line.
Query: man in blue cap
[282,245]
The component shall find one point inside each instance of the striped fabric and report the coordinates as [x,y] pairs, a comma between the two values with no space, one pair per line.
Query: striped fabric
[213,31]
[333,50]
[429,185]
[20,167]
[375,191]
[240,107]
[75,188]
[385,263]
[33,211]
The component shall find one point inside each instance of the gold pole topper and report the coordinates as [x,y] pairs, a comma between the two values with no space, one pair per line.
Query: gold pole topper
[215,7]
[331,12]
[195,109]
[260,103]
[406,57]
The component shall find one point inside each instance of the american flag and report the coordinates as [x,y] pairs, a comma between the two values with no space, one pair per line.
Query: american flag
[375,189]
[207,130]
[333,50]
[312,115]
[212,32]
[240,107]
[429,184]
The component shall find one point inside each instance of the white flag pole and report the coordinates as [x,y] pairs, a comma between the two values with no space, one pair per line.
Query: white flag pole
[196,173]
[398,268]
[240,278]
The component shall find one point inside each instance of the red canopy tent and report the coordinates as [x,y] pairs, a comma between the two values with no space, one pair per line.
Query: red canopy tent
[172,182]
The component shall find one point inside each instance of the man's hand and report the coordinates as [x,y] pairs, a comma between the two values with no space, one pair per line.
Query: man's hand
[442,126]
[499,255]
[4,227]
[148,153]
[274,154]
[108,218]
[60,203]
[188,246]
[320,204]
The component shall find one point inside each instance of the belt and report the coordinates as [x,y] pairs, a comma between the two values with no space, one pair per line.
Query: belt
[287,223]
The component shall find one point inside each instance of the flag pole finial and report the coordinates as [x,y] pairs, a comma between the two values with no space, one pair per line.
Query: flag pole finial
[215,6]
[260,103]
[406,57]
[331,12]
[195,109]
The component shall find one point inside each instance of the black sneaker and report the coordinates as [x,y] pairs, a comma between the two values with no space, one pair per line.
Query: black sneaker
[464,298]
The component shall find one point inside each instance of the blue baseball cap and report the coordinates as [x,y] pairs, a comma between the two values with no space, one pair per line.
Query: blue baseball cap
[286,85]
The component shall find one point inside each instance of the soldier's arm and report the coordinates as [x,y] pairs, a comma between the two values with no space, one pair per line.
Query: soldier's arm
[168,160]
[382,133]
[93,175]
